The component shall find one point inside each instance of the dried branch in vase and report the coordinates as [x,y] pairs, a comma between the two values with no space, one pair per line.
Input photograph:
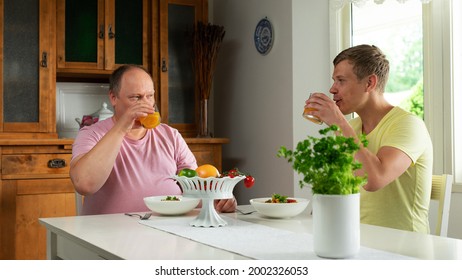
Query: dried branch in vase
[207,39]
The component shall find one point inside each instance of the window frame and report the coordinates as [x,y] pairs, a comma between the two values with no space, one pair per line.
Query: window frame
[438,77]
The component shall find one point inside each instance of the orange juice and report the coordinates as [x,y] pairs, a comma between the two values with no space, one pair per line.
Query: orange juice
[151,120]
[307,115]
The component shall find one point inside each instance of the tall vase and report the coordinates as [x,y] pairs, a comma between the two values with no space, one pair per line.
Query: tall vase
[336,231]
[203,124]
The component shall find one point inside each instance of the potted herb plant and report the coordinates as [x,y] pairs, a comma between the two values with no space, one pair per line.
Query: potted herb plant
[328,165]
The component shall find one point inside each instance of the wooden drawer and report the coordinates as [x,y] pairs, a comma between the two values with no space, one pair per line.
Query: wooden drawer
[27,166]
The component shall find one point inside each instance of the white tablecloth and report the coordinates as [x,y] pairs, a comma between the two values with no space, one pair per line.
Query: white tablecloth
[255,241]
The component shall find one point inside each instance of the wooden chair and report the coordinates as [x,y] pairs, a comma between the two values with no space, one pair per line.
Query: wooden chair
[441,192]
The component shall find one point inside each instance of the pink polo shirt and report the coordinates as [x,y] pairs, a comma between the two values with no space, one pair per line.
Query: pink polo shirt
[143,168]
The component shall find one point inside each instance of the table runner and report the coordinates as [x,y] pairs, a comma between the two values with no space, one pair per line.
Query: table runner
[256,241]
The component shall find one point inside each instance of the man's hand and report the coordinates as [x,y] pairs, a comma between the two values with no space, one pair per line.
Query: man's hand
[226,205]
[129,119]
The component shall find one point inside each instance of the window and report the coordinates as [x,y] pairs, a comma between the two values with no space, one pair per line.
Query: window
[442,57]
[397,30]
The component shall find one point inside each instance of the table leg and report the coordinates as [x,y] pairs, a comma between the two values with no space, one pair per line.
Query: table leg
[52,245]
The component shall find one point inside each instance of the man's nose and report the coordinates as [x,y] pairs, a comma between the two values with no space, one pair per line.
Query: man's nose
[332,89]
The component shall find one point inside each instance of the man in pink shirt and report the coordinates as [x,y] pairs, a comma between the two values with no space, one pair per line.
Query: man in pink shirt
[117,162]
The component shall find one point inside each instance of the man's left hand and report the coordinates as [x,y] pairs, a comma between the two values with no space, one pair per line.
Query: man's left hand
[226,205]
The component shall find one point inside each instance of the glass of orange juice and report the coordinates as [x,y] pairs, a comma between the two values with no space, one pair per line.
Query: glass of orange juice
[307,115]
[151,120]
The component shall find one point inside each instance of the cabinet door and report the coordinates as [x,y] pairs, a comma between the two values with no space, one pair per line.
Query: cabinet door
[27,66]
[27,201]
[34,183]
[103,34]
[179,98]
[81,31]
[127,24]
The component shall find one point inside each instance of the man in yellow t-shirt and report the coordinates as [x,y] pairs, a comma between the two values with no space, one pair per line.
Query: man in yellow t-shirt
[403,203]
[399,158]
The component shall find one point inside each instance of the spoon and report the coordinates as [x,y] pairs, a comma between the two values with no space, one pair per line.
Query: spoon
[144,217]
[245,213]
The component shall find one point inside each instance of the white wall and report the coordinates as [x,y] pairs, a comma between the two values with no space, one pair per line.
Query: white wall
[253,94]
[311,65]
[258,99]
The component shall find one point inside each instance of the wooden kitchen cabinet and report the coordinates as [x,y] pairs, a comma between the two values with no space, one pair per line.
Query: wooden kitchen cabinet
[179,97]
[34,183]
[96,37]
[28,138]
[207,150]
[27,69]
[158,37]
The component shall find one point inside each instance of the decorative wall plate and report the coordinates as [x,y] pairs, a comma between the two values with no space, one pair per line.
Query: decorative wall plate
[264,36]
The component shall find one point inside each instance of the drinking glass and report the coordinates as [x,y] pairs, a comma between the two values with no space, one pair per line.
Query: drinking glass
[151,120]
[307,115]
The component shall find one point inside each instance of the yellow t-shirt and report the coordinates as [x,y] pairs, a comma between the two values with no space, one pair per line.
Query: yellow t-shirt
[402,204]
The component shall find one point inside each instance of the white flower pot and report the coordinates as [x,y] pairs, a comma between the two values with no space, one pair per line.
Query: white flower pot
[336,231]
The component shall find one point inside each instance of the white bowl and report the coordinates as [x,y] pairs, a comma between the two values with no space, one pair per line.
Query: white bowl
[172,207]
[279,210]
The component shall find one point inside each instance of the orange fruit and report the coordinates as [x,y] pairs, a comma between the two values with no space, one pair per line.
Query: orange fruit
[150,121]
[207,170]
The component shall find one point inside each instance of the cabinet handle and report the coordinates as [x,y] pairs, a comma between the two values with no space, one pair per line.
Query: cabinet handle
[101,31]
[110,33]
[44,62]
[57,163]
[164,65]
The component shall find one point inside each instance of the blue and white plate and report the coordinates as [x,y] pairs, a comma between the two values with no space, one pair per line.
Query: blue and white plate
[264,36]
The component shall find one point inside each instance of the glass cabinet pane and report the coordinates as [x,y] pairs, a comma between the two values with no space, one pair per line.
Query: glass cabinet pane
[81,30]
[181,101]
[129,32]
[20,63]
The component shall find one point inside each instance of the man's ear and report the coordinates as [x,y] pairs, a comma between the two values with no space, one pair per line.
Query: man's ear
[112,98]
[371,82]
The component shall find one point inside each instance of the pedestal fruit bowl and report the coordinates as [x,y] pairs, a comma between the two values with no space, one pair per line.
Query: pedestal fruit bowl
[208,189]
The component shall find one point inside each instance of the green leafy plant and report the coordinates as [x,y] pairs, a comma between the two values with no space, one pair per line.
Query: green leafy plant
[327,163]
[415,102]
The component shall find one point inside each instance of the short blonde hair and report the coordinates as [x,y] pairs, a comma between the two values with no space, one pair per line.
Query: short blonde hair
[367,60]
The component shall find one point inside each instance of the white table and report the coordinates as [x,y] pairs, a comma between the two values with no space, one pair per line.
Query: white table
[117,236]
